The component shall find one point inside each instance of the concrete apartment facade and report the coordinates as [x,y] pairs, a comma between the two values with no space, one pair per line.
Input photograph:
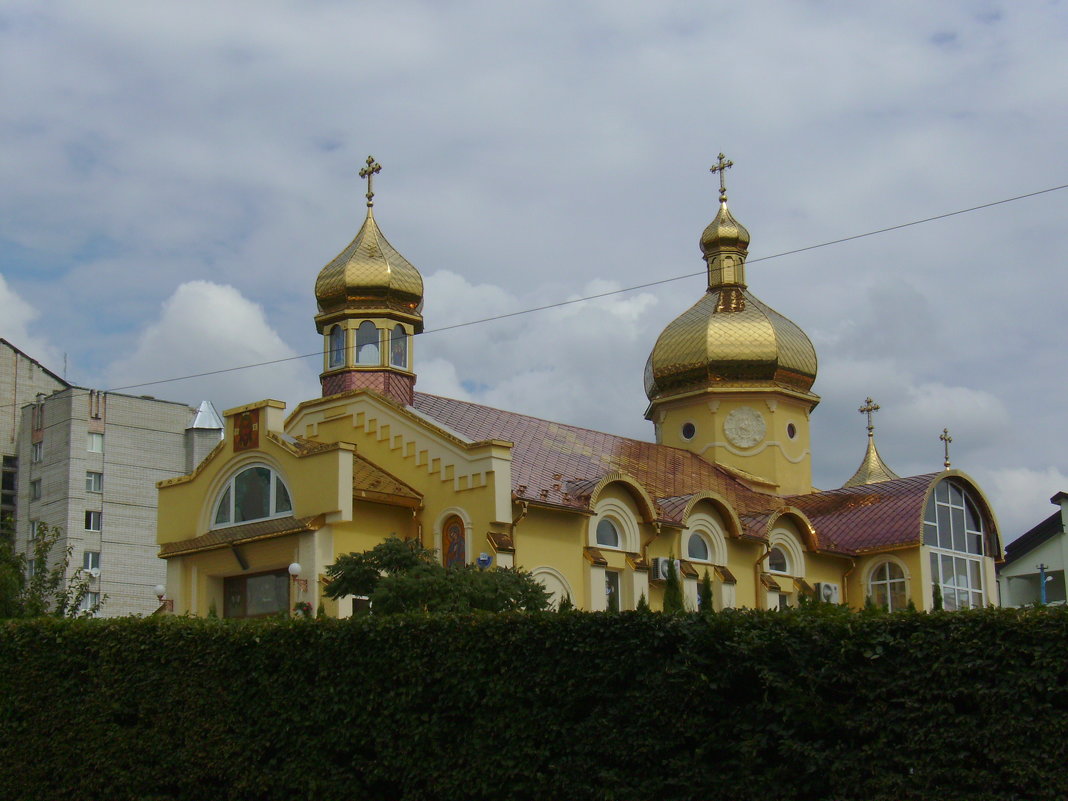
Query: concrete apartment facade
[88,461]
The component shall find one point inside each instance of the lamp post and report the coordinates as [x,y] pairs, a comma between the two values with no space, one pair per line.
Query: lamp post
[294,572]
[166,603]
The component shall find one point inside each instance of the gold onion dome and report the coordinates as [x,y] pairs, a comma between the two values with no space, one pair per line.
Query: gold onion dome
[728,337]
[370,274]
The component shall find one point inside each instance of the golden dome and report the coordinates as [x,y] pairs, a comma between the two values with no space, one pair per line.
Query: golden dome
[724,232]
[370,275]
[728,336]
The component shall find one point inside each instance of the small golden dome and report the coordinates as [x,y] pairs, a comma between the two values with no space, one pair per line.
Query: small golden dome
[724,232]
[370,275]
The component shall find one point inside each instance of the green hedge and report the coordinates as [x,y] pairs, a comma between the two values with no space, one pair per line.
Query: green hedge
[818,703]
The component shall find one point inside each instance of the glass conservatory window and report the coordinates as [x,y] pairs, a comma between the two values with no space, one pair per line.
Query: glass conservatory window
[255,493]
[398,347]
[953,528]
[887,586]
[367,344]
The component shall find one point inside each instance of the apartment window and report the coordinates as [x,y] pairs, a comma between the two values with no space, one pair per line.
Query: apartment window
[35,490]
[90,603]
[35,529]
[92,521]
[37,452]
[31,566]
[94,482]
[91,560]
[94,442]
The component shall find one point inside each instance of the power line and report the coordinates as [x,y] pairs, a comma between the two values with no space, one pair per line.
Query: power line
[612,292]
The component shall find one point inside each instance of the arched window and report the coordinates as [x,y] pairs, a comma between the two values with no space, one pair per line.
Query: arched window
[453,542]
[778,561]
[607,533]
[953,528]
[367,344]
[398,347]
[255,493]
[887,586]
[337,347]
[697,548]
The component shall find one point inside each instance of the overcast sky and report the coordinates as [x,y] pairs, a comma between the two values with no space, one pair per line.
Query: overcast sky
[174,175]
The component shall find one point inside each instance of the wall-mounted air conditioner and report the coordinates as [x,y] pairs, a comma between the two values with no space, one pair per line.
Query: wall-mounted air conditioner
[828,593]
[660,568]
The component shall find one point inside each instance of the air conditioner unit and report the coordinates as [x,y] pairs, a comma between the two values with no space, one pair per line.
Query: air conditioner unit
[94,572]
[660,568]
[828,593]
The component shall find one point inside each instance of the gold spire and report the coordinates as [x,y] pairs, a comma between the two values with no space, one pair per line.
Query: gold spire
[872,468]
[946,438]
[369,172]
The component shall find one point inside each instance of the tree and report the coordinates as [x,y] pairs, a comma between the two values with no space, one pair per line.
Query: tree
[673,601]
[48,590]
[704,594]
[403,576]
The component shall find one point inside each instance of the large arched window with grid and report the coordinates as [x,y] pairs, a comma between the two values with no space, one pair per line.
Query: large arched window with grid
[953,530]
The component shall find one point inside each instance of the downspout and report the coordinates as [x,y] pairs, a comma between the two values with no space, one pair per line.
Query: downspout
[761,603]
[845,581]
[524,508]
[657,526]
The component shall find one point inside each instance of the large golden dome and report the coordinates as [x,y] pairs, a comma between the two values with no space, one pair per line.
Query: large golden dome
[370,275]
[728,337]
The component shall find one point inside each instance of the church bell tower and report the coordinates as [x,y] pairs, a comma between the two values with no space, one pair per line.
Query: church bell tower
[370,302]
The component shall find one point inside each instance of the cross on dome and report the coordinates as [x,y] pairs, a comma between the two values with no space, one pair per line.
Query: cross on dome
[869,407]
[721,166]
[368,172]
[946,438]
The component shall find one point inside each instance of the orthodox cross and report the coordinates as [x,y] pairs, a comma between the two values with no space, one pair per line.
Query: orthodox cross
[369,172]
[946,438]
[721,167]
[869,407]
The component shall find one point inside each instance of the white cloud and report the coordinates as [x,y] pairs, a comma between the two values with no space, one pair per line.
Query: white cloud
[16,317]
[1020,496]
[205,327]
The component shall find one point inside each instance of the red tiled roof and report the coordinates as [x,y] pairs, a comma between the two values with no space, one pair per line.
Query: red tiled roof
[868,516]
[560,464]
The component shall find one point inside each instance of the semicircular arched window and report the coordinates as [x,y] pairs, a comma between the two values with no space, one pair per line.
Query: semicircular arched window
[255,493]
[607,533]
[697,548]
[778,561]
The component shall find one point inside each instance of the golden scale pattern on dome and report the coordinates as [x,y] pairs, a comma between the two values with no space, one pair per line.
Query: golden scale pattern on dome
[729,335]
[370,272]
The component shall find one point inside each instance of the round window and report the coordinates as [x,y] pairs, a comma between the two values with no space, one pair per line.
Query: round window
[688,430]
[791,430]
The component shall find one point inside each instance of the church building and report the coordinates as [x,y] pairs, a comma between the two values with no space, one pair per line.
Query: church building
[725,489]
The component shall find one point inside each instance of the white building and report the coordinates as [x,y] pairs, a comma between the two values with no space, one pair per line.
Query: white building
[1039,554]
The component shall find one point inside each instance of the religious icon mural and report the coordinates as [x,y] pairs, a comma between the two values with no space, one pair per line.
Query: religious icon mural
[247,430]
[453,544]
